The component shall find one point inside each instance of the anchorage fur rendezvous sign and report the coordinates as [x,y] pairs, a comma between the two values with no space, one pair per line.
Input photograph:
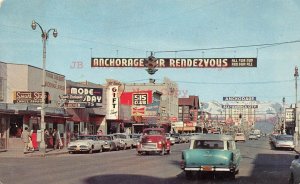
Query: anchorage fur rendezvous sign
[176,62]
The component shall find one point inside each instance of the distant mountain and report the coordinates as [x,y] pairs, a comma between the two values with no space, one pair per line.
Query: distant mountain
[265,110]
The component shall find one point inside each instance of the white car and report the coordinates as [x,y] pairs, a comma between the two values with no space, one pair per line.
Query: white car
[295,171]
[240,137]
[125,140]
[253,137]
[284,141]
[86,143]
[172,139]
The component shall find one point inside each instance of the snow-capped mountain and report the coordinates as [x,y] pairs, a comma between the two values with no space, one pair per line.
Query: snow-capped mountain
[263,107]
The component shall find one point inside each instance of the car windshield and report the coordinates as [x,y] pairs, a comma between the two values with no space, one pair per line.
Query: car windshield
[105,138]
[285,138]
[86,138]
[153,132]
[208,144]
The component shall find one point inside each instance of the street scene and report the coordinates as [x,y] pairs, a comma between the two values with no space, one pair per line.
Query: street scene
[136,91]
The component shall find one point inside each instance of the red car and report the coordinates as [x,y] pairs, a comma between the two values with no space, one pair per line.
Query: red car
[154,140]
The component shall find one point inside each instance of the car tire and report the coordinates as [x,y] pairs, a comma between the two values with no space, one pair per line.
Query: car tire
[169,152]
[71,152]
[232,175]
[189,175]
[291,179]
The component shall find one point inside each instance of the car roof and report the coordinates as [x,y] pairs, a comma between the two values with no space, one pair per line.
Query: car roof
[212,137]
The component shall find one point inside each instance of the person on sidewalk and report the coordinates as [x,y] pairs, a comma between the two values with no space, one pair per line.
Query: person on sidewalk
[57,139]
[26,139]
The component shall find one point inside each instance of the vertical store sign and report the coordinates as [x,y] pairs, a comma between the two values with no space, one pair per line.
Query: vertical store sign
[113,102]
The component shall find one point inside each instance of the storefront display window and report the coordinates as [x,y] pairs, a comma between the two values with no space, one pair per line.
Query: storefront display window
[15,127]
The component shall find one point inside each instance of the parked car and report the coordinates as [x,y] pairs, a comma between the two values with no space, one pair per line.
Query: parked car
[284,141]
[172,139]
[177,138]
[272,138]
[110,143]
[125,140]
[253,137]
[240,137]
[211,153]
[154,140]
[136,138]
[86,143]
[295,171]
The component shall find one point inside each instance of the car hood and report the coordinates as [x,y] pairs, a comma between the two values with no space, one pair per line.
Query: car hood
[85,142]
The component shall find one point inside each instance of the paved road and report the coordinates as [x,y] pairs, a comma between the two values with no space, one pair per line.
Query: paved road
[260,164]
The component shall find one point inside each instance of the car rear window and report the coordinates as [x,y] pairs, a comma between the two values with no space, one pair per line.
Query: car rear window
[208,144]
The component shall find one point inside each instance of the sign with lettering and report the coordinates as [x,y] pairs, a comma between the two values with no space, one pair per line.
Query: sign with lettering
[239,106]
[176,62]
[113,102]
[140,99]
[92,96]
[243,98]
[289,115]
[30,97]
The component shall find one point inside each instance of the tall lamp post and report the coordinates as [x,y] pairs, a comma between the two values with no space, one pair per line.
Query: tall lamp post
[45,36]
[296,75]
[283,115]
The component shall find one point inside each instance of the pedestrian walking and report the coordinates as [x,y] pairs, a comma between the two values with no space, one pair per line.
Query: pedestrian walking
[26,139]
[57,139]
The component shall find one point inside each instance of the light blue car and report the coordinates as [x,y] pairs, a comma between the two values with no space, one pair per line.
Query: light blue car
[211,153]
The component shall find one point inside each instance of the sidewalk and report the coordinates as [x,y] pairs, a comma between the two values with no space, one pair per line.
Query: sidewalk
[18,153]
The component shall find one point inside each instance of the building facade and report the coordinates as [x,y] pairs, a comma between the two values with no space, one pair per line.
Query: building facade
[20,101]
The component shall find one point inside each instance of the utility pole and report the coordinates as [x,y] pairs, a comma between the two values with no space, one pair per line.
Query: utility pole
[283,115]
[296,135]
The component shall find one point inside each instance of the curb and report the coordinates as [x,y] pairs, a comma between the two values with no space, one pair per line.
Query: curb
[47,154]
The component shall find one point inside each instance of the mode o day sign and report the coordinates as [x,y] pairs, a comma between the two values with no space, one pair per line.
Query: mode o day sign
[176,62]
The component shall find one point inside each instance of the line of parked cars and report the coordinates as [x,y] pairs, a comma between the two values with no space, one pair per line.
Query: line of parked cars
[99,143]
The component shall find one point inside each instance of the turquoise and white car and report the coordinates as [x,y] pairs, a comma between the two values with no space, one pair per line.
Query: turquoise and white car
[211,153]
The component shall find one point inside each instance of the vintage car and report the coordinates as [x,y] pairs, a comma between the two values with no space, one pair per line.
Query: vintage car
[211,153]
[240,137]
[136,138]
[86,143]
[295,171]
[110,142]
[125,140]
[172,139]
[252,136]
[154,140]
[284,141]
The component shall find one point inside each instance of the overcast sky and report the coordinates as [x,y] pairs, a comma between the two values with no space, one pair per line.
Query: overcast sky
[132,28]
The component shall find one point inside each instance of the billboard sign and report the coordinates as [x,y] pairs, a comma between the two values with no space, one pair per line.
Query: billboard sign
[242,98]
[92,96]
[176,62]
[138,110]
[30,97]
[289,115]
[113,102]
[239,106]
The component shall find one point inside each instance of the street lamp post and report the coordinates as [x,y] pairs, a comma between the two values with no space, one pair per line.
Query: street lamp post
[283,115]
[296,75]
[45,36]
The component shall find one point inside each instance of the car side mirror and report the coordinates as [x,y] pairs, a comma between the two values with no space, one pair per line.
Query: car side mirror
[296,156]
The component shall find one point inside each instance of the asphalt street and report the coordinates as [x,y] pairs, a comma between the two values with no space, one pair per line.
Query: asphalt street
[260,164]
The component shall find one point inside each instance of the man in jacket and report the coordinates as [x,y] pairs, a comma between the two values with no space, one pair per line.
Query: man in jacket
[26,139]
